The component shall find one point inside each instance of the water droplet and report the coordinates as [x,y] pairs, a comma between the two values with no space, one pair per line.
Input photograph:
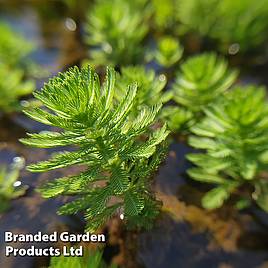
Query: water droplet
[70,24]
[162,77]
[17,183]
[25,103]
[107,48]
[19,162]
[234,49]
[18,159]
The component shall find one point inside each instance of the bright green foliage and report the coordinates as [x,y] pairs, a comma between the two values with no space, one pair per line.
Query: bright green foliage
[8,176]
[234,134]
[201,80]
[164,14]
[149,87]
[199,16]
[92,259]
[14,48]
[108,144]
[117,29]
[177,118]
[12,88]
[243,21]
[168,51]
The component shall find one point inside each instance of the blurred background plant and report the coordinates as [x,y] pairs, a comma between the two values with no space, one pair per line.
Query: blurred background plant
[12,88]
[150,87]
[15,52]
[168,51]
[116,31]
[90,259]
[15,69]
[234,135]
[10,186]
[201,80]
[234,25]
[121,37]
[164,15]
[178,119]
[14,48]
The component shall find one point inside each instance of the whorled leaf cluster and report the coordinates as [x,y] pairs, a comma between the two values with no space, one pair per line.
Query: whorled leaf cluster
[168,52]
[150,87]
[116,30]
[200,81]
[234,135]
[118,155]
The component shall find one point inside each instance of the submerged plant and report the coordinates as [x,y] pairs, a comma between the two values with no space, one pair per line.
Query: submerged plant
[149,87]
[12,88]
[118,153]
[241,22]
[234,134]
[117,29]
[201,80]
[169,51]
[9,184]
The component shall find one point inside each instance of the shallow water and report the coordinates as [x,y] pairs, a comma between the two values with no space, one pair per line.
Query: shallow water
[184,236]
[31,213]
[188,236]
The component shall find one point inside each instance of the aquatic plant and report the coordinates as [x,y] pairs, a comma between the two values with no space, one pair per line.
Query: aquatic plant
[178,119]
[8,183]
[14,48]
[199,16]
[91,259]
[169,51]
[118,153]
[164,14]
[149,87]
[201,80]
[15,66]
[117,29]
[234,135]
[12,88]
[243,22]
